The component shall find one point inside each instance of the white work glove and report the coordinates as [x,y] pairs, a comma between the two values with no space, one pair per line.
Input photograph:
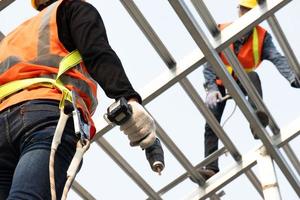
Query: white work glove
[140,128]
[212,98]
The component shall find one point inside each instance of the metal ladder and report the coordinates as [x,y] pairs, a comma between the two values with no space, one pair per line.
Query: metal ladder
[264,156]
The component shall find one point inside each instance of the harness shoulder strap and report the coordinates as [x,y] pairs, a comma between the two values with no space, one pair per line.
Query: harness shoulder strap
[69,61]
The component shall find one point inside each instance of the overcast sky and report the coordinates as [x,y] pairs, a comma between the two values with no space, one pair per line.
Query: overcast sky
[173,109]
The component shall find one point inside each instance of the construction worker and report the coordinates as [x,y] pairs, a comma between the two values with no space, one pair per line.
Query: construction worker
[31,54]
[251,50]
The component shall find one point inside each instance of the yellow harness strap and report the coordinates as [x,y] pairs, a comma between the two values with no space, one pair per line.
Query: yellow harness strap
[69,61]
[255,47]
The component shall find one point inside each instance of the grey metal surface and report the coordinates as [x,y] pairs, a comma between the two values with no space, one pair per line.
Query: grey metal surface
[206,17]
[284,44]
[1,36]
[185,175]
[293,157]
[187,165]
[248,160]
[287,133]
[268,176]
[81,191]
[148,31]
[224,177]
[5,3]
[124,165]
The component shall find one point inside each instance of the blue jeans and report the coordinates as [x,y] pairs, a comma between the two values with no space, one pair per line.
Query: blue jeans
[25,140]
[210,139]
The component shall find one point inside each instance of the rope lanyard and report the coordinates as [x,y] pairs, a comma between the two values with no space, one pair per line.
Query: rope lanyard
[68,62]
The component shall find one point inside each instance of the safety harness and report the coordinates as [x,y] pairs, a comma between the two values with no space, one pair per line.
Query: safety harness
[81,128]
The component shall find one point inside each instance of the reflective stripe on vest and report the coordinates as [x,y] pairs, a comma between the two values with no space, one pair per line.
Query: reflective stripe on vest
[39,54]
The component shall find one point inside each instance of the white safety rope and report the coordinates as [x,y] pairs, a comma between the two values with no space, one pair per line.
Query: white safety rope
[55,142]
[73,168]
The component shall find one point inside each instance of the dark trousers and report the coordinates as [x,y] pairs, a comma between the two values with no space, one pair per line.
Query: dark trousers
[26,132]
[210,139]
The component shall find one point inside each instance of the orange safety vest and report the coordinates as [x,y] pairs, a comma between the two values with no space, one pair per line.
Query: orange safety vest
[33,50]
[250,52]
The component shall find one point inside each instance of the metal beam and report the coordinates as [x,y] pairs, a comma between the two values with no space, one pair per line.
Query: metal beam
[288,133]
[268,176]
[150,34]
[5,3]
[187,165]
[124,165]
[284,44]
[183,176]
[83,193]
[293,157]
[1,36]
[248,160]
[206,17]
[221,179]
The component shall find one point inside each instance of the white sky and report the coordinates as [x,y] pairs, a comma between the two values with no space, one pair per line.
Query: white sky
[174,110]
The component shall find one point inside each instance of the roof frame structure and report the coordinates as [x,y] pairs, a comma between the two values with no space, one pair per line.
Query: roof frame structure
[208,51]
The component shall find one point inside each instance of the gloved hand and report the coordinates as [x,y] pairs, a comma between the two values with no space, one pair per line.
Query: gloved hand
[295,84]
[140,128]
[212,98]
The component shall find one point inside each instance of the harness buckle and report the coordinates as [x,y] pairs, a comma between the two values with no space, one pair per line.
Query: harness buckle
[82,129]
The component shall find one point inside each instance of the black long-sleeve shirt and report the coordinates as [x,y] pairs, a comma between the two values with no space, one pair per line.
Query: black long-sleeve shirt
[80,27]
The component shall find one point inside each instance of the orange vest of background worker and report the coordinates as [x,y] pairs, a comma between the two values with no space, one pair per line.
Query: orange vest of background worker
[249,54]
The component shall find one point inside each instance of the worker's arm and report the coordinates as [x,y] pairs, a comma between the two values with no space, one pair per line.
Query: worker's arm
[270,53]
[80,27]
[213,95]
[210,77]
